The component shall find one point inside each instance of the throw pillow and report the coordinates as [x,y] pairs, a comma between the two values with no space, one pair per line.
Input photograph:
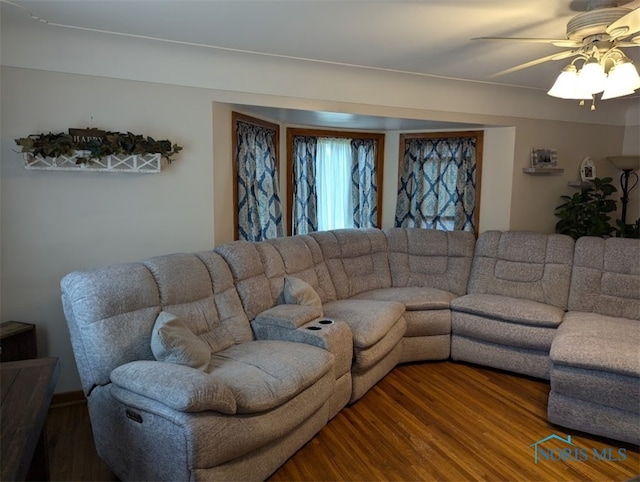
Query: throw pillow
[173,342]
[298,292]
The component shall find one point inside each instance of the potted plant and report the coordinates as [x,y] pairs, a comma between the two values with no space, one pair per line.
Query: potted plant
[586,213]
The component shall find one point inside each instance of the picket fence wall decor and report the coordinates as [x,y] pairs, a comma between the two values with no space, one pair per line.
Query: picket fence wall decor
[96,151]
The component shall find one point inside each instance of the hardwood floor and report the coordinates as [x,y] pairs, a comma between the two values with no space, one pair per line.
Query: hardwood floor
[427,421]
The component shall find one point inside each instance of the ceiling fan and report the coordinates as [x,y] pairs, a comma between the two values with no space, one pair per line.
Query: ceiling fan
[596,37]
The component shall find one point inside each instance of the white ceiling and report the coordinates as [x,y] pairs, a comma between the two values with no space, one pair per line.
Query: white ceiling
[428,37]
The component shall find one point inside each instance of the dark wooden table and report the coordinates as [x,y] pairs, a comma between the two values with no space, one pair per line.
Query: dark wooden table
[17,341]
[27,387]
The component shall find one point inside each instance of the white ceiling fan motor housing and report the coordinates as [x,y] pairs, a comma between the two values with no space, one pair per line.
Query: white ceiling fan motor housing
[594,22]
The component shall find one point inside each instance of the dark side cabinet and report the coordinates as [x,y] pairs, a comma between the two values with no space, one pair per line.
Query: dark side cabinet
[17,341]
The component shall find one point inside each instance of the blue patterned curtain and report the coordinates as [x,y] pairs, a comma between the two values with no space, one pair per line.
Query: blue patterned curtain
[305,196]
[437,184]
[259,211]
[364,184]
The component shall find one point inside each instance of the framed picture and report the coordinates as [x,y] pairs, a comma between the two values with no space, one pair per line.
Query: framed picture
[587,170]
[544,158]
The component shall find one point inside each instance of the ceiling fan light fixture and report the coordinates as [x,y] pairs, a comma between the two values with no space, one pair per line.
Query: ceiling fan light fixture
[621,82]
[592,77]
[566,85]
[625,72]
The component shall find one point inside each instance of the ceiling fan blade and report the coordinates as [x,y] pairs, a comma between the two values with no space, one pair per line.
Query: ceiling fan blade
[627,24]
[558,56]
[632,4]
[553,41]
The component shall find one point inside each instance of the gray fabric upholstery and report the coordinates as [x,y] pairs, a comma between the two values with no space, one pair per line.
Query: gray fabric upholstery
[227,302]
[534,363]
[595,356]
[173,342]
[364,379]
[357,259]
[428,323]
[517,296]
[285,316]
[606,277]
[595,418]
[266,373]
[526,265]
[592,341]
[177,386]
[298,292]
[277,372]
[370,321]
[517,335]
[425,348]
[366,357]
[172,445]
[110,312]
[251,282]
[504,308]
[186,285]
[301,257]
[430,258]
[602,387]
[413,298]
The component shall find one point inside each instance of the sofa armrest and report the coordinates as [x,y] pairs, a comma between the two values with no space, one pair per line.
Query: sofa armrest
[299,324]
[287,316]
[181,388]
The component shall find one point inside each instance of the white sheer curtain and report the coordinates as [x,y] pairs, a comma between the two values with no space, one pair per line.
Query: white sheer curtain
[333,178]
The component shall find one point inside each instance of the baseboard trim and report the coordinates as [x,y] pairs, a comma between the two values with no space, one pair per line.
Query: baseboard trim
[68,398]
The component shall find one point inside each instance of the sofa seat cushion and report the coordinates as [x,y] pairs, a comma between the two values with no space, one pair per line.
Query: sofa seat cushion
[598,342]
[513,310]
[413,298]
[264,374]
[370,320]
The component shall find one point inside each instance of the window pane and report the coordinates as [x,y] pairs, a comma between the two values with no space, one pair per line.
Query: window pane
[437,181]
[333,183]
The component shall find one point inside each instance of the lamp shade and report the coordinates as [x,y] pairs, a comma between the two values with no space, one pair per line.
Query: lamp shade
[625,75]
[566,85]
[618,83]
[592,77]
[625,162]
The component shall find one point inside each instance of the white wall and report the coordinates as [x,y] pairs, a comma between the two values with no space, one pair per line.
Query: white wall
[55,222]
[497,171]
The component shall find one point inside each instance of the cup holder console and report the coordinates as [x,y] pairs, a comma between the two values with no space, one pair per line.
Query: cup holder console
[324,322]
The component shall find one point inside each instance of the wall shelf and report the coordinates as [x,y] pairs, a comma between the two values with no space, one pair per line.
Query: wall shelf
[148,163]
[541,171]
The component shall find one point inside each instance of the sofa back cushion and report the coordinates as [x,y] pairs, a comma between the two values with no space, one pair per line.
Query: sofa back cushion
[302,258]
[430,258]
[259,284]
[111,311]
[606,277]
[525,265]
[356,258]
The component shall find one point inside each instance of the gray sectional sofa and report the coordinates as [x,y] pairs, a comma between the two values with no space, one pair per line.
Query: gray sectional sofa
[220,365]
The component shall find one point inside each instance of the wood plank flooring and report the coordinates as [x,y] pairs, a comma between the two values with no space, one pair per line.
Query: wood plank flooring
[428,421]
